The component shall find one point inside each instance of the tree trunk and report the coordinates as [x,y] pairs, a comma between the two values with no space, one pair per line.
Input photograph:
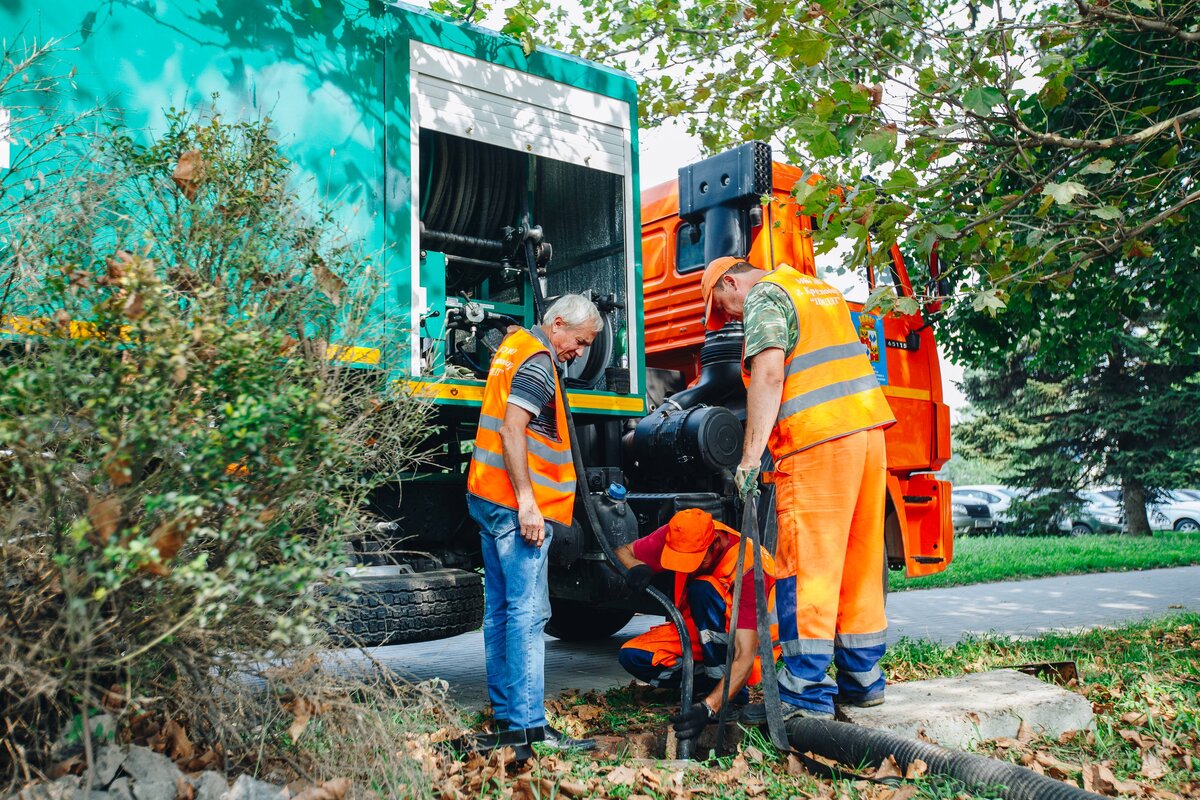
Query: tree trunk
[1137,523]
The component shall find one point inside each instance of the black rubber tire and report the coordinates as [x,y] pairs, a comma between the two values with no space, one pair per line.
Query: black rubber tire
[1187,525]
[1080,529]
[573,621]
[417,607]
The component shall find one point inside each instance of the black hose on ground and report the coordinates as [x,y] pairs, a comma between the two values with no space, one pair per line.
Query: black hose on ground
[855,745]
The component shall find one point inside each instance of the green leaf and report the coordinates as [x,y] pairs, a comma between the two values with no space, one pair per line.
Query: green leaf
[901,178]
[981,99]
[824,144]
[1054,92]
[989,301]
[1147,5]
[1065,192]
[1105,212]
[1101,166]
[810,47]
[881,143]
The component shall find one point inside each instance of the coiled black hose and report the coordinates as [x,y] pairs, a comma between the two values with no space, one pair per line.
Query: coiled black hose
[854,745]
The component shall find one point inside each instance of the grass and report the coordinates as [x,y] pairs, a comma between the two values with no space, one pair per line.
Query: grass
[1009,558]
[1143,681]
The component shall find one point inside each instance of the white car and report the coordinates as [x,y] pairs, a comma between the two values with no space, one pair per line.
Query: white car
[1176,510]
[996,498]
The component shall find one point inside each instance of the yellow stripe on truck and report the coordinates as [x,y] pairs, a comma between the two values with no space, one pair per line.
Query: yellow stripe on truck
[473,393]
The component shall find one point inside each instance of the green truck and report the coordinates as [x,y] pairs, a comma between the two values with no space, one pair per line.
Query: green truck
[487,179]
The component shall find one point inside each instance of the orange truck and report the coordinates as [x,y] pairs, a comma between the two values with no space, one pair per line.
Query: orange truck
[716,208]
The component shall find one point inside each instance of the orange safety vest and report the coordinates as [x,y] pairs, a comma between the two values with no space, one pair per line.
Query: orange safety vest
[721,579]
[551,468]
[829,387]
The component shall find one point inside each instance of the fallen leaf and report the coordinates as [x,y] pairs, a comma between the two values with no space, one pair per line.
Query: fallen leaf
[117,265]
[905,792]
[1152,767]
[329,790]
[794,766]
[1138,740]
[134,306]
[303,709]
[104,515]
[1055,767]
[572,788]
[189,173]
[1104,782]
[179,747]
[1025,732]
[622,776]
[890,768]
[1008,743]
[1134,718]
[916,769]
[753,754]
[184,790]
[167,539]
[588,713]
[116,466]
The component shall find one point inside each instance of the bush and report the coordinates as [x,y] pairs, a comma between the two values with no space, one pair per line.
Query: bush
[181,460]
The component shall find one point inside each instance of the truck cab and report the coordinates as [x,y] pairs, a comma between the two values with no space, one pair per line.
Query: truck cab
[722,198]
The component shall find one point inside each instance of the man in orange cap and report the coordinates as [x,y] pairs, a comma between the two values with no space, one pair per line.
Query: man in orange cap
[813,399]
[703,555]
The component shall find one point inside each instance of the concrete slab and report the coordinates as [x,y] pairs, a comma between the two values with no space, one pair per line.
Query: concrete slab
[959,711]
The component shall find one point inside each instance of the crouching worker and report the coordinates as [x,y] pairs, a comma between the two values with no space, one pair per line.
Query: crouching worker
[703,554]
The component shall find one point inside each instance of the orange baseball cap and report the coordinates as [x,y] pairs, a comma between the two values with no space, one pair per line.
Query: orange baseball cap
[689,533]
[715,319]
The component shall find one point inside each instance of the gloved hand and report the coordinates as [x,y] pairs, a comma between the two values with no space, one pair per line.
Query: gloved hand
[638,578]
[688,724]
[746,481]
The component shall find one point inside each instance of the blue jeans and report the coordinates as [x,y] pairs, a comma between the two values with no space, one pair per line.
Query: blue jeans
[516,608]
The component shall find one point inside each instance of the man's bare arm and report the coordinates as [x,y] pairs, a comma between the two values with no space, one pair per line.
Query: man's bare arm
[763,397]
[745,647]
[516,463]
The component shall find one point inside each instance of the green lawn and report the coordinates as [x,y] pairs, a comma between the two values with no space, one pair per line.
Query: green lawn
[985,559]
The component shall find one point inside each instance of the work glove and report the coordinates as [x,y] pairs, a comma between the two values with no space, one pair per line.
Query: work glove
[688,724]
[638,578]
[746,481]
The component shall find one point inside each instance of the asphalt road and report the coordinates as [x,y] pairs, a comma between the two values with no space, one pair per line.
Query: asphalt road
[1018,608]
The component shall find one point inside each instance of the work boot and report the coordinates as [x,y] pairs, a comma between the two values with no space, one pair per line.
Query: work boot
[756,713]
[861,701]
[557,740]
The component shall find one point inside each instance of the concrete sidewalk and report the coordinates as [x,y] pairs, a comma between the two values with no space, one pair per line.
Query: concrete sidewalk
[1019,608]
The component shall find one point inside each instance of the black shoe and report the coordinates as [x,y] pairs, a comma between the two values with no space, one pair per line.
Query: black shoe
[867,701]
[756,713]
[557,740]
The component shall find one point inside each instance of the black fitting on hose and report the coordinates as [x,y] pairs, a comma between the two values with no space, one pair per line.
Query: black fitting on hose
[851,744]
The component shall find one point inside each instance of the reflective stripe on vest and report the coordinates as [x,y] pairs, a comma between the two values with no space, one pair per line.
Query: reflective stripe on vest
[829,388]
[551,467]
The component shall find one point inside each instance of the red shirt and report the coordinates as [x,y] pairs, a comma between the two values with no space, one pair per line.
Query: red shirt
[649,549]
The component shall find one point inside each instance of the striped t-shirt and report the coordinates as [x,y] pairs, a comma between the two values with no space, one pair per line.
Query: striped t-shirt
[533,390]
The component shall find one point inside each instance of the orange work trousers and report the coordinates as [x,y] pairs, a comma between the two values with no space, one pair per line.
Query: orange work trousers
[830,501]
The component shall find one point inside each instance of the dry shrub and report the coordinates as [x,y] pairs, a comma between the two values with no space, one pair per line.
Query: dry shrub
[181,460]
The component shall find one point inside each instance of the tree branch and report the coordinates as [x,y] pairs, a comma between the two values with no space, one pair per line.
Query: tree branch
[1139,22]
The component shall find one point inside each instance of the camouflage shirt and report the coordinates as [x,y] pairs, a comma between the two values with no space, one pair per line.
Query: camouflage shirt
[769,319]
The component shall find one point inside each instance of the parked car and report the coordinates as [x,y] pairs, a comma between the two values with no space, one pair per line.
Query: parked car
[970,514]
[997,498]
[1098,514]
[1176,510]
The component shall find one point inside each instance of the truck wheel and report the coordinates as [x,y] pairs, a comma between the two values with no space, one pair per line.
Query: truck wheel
[573,621]
[395,608]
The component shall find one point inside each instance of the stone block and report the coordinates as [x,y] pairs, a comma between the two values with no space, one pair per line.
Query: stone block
[209,785]
[108,760]
[963,710]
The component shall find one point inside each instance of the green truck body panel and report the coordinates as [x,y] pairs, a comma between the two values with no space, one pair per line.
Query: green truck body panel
[336,80]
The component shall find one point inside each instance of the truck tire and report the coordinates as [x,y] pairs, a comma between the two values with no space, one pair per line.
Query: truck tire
[410,607]
[573,621]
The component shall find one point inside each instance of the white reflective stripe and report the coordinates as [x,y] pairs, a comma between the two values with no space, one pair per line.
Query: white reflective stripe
[664,675]
[826,393]
[797,685]
[560,458]
[714,671]
[807,647]
[865,679]
[490,459]
[711,637]
[861,639]
[834,352]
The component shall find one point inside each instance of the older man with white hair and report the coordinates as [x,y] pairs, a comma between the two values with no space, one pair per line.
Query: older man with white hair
[520,487]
